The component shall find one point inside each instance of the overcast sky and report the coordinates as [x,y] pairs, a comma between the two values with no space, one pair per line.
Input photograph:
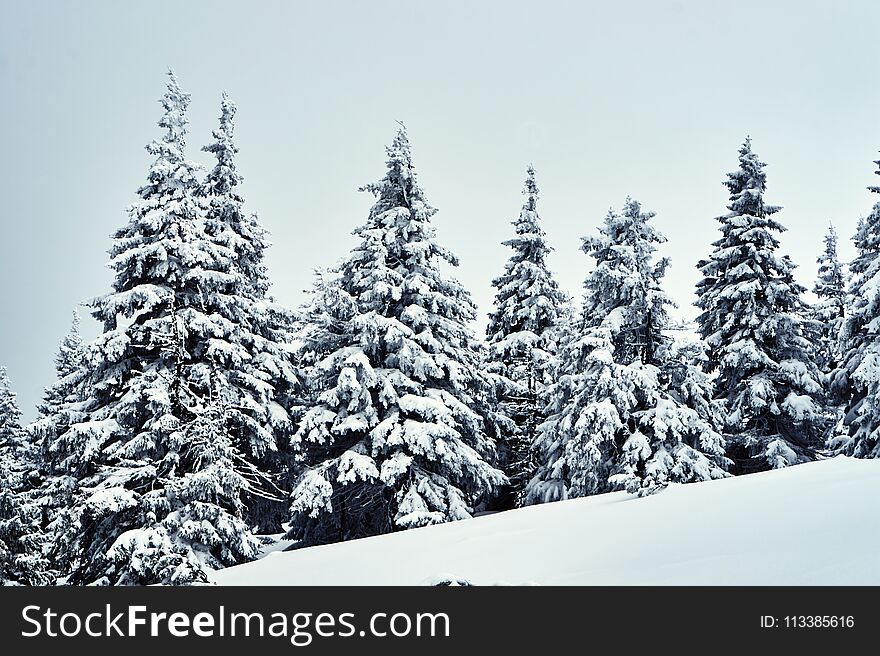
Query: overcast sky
[649,98]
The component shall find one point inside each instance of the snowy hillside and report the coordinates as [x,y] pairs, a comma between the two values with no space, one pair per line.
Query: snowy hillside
[817,523]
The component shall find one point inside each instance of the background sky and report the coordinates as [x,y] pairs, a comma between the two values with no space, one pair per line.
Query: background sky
[649,98]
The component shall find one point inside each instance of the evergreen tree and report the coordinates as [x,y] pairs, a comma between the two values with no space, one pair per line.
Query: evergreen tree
[829,310]
[227,221]
[21,540]
[158,490]
[521,334]
[752,323]
[258,381]
[61,397]
[400,430]
[628,410]
[71,352]
[857,379]
[64,403]
[12,436]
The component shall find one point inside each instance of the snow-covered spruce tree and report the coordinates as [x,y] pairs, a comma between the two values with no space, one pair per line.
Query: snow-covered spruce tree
[752,321]
[857,379]
[159,487]
[64,403]
[21,538]
[12,435]
[69,363]
[401,428]
[829,310]
[839,384]
[258,380]
[627,410]
[521,335]
[63,398]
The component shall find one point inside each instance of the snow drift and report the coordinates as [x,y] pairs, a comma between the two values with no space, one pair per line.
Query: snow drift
[813,524]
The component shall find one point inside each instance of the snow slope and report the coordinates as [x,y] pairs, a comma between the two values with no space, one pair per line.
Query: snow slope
[817,523]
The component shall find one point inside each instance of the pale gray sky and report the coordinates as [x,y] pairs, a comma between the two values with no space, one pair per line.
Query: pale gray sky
[649,98]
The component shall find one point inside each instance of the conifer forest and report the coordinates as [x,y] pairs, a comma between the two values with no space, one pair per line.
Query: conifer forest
[207,419]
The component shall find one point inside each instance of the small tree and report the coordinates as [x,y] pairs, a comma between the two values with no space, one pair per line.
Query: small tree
[829,310]
[62,401]
[69,362]
[521,334]
[21,539]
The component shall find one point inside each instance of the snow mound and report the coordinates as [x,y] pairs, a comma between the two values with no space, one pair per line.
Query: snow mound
[446,580]
[812,524]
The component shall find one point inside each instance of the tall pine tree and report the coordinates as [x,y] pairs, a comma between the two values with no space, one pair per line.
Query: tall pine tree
[257,380]
[858,378]
[400,429]
[829,310]
[159,483]
[627,410]
[521,334]
[752,321]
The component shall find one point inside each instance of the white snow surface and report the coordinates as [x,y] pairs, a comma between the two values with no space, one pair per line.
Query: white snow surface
[811,524]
